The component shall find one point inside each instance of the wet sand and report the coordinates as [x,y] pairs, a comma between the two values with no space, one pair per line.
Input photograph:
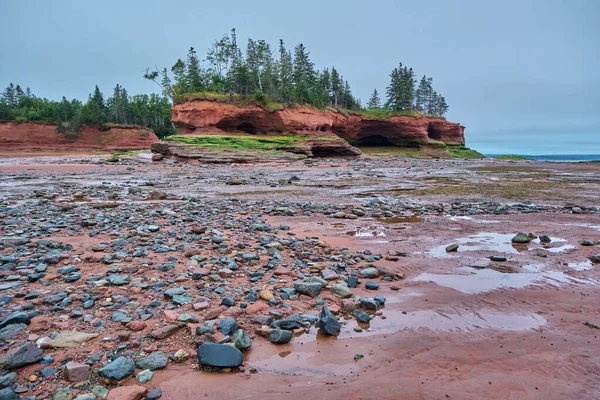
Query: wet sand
[457,325]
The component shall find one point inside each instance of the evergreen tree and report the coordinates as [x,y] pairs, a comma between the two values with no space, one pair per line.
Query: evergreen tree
[95,111]
[393,91]
[9,96]
[18,93]
[336,87]
[286,71]
[304,74]
[375,101]
[193,75]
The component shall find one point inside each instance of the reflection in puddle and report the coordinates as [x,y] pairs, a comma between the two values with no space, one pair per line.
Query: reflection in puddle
[581,266]
[303,363]
[368,232]
[485,280]
[401,220]
[496,242]
[467,218]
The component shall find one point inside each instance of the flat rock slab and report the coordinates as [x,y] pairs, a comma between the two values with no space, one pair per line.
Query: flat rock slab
[70,339]
[127,393]
[219,355]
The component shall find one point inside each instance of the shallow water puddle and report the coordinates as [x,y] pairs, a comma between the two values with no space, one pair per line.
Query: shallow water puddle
[414,218]
[486,280]
[495,242]
[581,266]
[303,363]
[366,232]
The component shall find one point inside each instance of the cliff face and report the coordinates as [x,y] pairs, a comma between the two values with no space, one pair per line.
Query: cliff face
[29,136]
[206,116]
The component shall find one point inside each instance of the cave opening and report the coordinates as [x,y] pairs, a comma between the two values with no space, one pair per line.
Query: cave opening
[373,141]
[433,134]
[247,128]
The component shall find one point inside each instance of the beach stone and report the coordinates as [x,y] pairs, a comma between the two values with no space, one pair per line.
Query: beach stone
[164,332]
[341,290]
[8,394]
[118,370]
[25,354]
[369,272]
[219,355]
[127,393]
[311,289]
[71,339]
[76,372]
[15,318]
[8,379]
[228,326]
[241,340]
[328,323]
[521,238]
[12,330]
[144,376]
[118,280]
[280,336]
[156,360]
[452,248]
[370,285]
[154,394]
[180,356]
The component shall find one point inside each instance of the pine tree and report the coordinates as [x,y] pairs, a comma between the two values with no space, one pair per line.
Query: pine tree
[95,111]
[193,75]
[336,87]
[9,96]
[28,93]
[304,74]
[286,71]
[443,106]
[393,91]
[18,93]
[375,101]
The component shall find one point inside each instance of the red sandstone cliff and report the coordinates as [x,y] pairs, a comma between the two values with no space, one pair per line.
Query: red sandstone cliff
[29,136]
[202,117]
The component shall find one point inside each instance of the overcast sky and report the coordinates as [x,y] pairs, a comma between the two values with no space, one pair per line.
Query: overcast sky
[522,76]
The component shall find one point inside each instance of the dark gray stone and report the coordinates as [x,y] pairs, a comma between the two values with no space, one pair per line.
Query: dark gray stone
[26,354]
[117,370]
[311,289]
[280,336]
[219,355]
[156,360]
[228,326]
[328,323]
[15,318]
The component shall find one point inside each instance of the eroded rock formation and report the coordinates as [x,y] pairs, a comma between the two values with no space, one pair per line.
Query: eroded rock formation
[27,136]
[201,117]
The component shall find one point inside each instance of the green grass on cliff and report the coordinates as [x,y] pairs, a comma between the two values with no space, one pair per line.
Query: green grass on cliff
[268,102]
[463,152]
[383,113]
[222,142]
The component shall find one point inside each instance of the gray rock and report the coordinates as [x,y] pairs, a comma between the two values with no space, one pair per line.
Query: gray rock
[311,289]
[328,323]
[219,355]
[368,304]
[370,285]
[119,280]
[8,379]
[521,238]
[341,290]
[15,318]
[241,340]
[156,360]
[12,330]
[369,273]
[144,376]
[25,354]
[228,326]
[280,336]
[154,394]
[119,369]
[452,248]
[8,394]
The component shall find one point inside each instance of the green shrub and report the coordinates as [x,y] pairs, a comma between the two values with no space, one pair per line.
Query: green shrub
[20,119]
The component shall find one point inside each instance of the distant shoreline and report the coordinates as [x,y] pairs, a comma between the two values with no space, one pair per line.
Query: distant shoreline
[555,157]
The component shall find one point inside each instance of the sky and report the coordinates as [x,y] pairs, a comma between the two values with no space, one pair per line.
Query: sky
[522,76]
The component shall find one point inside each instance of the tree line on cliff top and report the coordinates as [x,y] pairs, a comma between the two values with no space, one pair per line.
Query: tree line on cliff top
[287,77]
[152,111]
[272,78]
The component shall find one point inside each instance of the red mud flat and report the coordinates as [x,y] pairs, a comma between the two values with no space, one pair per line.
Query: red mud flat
[462,340]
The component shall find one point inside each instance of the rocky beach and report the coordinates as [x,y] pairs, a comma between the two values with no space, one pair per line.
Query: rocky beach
[360,278]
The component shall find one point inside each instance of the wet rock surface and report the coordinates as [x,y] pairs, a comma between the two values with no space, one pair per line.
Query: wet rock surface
[105,269]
